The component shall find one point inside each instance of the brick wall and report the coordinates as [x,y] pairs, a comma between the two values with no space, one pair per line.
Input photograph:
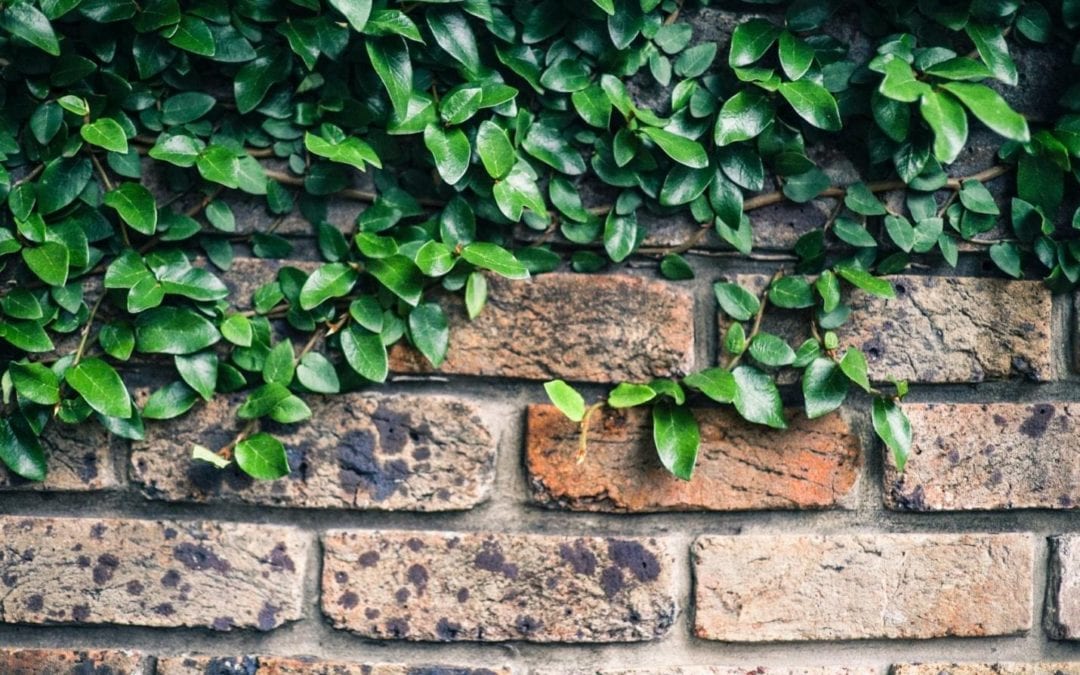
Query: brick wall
[440,524]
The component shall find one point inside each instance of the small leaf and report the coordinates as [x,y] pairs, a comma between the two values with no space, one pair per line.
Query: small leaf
[824,387]
[333,280]
[683,150]
[430,332]
[628,395]
[365,353]
[172,400]
[496,152]
[736,301]
[279,367]
[757,398]
[476,291]
[203,454]
[199,371]
[770,350]
[1006,256]
[317,374]
[100,385]
[854,366]
[813,103]
[867,282]
[26,21]
[716,383]
[948,121]
[493,257]
[262,456]
[750,41]
[893,428]
[105,133]
[20,449]
[35,382]
[135,206]
[566,399]
[677,438]
[49,262]
[451,151]
[356,12]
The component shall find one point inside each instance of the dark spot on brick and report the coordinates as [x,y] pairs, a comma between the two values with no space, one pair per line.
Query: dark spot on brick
[268,617]
[397,628]
[348,600]
[371,613]
[170,533]
[358,468]
[279,560]
[611,580]
[35,603]
[421,453]
[88,470]
[414,544]
[418,576]
[106,567]
[1000,420]
[1065,501]
[462,594]
[80,612]
[341,577]
[134,587]
[402,595]
[633,556]
[9,580]
[1035,426]
[551,582]
[579,556]
[915,500]
[447,630]
[393,428]
[247,665]
[954,456]
[170,579]
[996,477]
[491,559]
[873,349]
[83,561]
[223,623]
[164,609]
[98,530]
[369,558]
[298,464]
[527,625]
[196,557]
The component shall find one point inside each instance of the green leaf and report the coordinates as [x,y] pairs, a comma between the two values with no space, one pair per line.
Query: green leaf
[100,385]
[28,336]
[316,373]
[495,258]
[390,59]
[716,383]
[25,21]
[349,150]
[20,303]
[35,382]
[975,197]
[861,200]
[451,150]
[796,56]
[813,103]
[199,371]
[262,401]
[237,330]
[854,366]
[193,35]
[20,449]
[62,182]
[757,398]
[434,259]
[566,399]
[566,76]
[173,330]
[1006,256]
[900,231]
[333,280]
[495,150]
[452,32]
[290,410]
[696,60]
[186,107]
[737,302]
[867,282]
[621,234]
[900,84]
[991,109]
[828,288]
[948,121]
[742,117]
[824,387]
[476,292]
[990,43]
[791,293]
[683,185]
[399,274]
[607,5]
[628,395]
[430,332]
[49,262]
[201,453]
[675,268]
[105,133]
[365,353]
[279,367]
[135,206]
[356,12]
[750,41]
[770,350]
[262,456]
[172,400]
[593,105]
[676,436]
[893,428]
[683,150]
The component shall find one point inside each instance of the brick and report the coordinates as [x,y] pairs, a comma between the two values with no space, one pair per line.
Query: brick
[1063,588]
[438,586]
[150,573]
[81,458]
[973,456]
[941,329]
[1042,668]
[418,453]
[597,328]
[813,464]
[845,587]
[72,662]
[718,670]
[273,665]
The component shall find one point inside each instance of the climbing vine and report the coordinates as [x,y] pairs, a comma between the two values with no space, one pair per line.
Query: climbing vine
[470,120]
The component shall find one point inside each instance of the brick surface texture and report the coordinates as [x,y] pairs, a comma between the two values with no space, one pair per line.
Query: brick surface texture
[845,587]
[494,587]
[449,505]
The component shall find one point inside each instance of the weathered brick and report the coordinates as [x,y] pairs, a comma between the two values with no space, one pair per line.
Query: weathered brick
[72,662]
[973,456]
[804,587]
[717,670]
[600,328]
[1063,588]
[150,573]
[81,458]
[1041,668]
[419,453]
[813,464]
[274,665]
[439,586]
[941,329]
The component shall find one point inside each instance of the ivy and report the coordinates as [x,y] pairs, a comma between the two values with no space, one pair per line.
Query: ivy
[128,132]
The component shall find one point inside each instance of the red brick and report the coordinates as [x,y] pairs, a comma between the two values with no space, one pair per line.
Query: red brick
[275,665]
[598,328]
[814,464]
[988,456]
[72,662]
[845,587]
[437,586]
[412,453]
[150,573]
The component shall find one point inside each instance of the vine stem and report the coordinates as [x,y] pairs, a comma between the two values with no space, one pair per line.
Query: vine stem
[583,435]
[108,188]
[756,327]
[226,451]
[34,173]
[87,329]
